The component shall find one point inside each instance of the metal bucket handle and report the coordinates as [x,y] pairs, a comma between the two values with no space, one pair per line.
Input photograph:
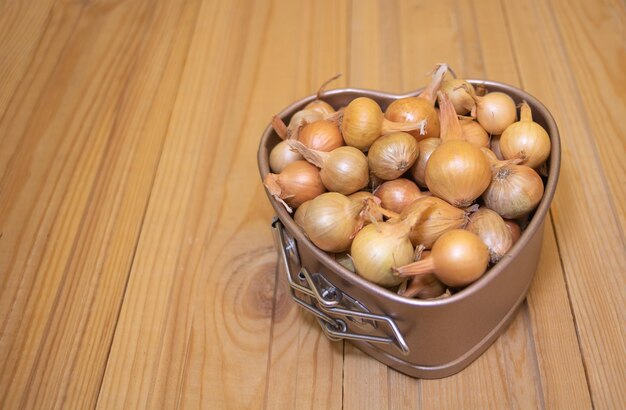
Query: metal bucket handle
[333,308]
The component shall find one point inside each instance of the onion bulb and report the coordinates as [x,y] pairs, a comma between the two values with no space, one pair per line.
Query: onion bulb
[298,183]
[490,227]
[332,220]
[320,105]
[514,228]
[300,119]
[515,190]
[281,156]
[396,194]
[413,109]
[494,145]
[458,258]
[379,248]
[495,111]
[457,172]
[434,217]
[321,135]
[525,139]
[345,260]
[426,148]
[392,155]
[460,93]
[422,286]
[343,170]
[364,196]
[474,133]
[363,122]
[300,214]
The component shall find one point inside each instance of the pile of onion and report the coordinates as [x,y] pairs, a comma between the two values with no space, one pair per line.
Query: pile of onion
[352,177]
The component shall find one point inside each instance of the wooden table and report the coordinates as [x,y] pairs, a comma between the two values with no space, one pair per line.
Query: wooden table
[136,260]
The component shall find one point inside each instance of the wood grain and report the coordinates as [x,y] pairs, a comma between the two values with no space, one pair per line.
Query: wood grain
[136,259]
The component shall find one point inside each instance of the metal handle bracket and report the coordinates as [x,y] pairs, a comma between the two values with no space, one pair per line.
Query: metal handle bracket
[336,311]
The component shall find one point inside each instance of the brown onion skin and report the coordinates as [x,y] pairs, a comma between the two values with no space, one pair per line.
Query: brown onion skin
[460,258]
[495,111]
[362,123]
[514,191]
[392,155]
[320,106]
[458,172]
[418,170]
[300,214]
[414,109]
[514,228]
[397,194]
[491,228]
[475,134]
[281,156]
[299,182]
[436,217]
[362,196]
[461,97]
[322,135]
[494,145]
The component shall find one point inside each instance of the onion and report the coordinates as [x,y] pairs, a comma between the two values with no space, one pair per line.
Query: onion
[494,144]
[345,260]
[300,119]
[298,183]
[343,170]
[525,139]
[434,218]
[391,155]
[364,196]
[422,286]
[413,109]
[322,135]
[332,220]
[514,228]
[495,111]
[363,122]
[379,248]
[318,104]
[395,195]
[281,156]
[474,133]
[300,214]
[515,190]
[458,258]
[426,148]
[458,172]
[490,227]
[460,93]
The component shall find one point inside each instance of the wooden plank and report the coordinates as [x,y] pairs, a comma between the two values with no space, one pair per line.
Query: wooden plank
[22,89]
[592,249]
[195,326]
[51,188]
[22,26]
[593,36]
[82,332]
[365,381]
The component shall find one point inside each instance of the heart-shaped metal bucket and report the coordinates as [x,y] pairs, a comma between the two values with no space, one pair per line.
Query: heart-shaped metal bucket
[421,338]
